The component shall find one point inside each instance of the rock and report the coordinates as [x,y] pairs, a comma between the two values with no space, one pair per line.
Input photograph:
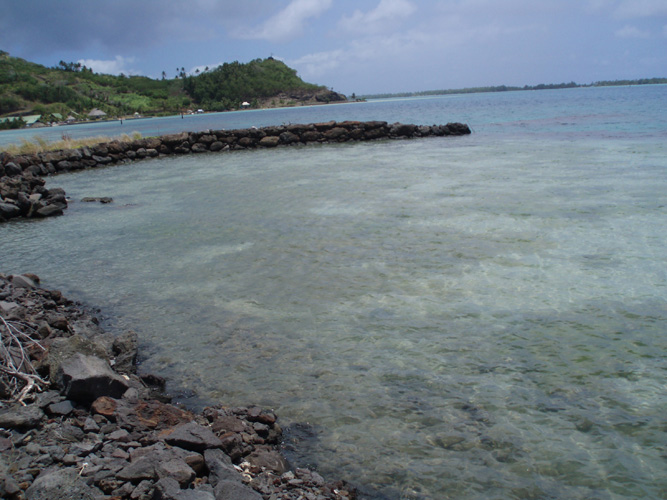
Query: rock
[102,160]
[61,409]
[50,210]
[58,321]
[21,417]
[149,414]
[199,148]
[176,469]
[336,134]
[268,459]
[270,141]
[193,437]
[125,349]
[33,277]
[144,468]
[167,489]
[21,281]
[288,137]
[142,491]
[90,425]
[233,490]
[11,487]
[102,199]
[207,139]
[457,129]
[311,136]
[256,414]
[220,467]
[402,130]
[119,435]
[85,378]
[63,484]
[228,423]
[12,169]
[247,142]
[7,307]
[23,202]
[174,140]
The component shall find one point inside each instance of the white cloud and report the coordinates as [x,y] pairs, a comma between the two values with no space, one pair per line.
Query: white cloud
[111,67]
[632,32]
[288,23]
[641,8]
[320,63]
[382,18]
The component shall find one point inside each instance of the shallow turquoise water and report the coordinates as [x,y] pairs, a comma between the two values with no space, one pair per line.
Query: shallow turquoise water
[476,317]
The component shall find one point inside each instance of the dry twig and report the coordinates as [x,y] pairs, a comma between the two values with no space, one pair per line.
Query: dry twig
[15,361]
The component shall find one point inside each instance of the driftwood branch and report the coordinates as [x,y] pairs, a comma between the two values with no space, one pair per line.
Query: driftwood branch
[15,342]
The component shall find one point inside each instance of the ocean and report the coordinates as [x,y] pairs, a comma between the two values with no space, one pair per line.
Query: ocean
[476,317]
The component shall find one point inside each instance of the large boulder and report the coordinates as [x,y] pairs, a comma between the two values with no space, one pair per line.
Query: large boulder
[84,378]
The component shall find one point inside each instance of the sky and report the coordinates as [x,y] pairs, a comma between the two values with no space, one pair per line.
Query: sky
[352,46]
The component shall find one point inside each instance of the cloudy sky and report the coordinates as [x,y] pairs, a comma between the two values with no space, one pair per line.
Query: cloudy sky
[360,46]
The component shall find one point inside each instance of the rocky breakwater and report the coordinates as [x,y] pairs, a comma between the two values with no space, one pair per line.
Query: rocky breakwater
[22,191]
[78,422]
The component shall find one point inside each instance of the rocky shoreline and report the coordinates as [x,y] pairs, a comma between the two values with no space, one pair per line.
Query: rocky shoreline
[22,186]
[78,422]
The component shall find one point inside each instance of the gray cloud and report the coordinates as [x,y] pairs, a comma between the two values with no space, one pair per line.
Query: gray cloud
[289,23]
[118,26]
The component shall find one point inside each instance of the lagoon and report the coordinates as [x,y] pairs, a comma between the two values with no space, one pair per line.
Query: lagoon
[473,317]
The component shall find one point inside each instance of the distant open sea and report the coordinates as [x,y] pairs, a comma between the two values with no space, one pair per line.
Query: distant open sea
[479,317]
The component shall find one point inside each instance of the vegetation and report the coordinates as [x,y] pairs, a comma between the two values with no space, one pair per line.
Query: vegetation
[70,89]
[505,88]
[41,145]
[233,83]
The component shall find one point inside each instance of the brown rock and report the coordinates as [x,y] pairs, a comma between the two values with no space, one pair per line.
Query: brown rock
[270,141]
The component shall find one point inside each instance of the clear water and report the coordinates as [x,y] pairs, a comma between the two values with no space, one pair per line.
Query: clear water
[470,318]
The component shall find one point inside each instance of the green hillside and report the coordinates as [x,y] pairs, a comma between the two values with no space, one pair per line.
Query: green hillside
[70,89]
[229,84]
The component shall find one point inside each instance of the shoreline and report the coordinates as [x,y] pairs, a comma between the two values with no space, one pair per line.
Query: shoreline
[77,420]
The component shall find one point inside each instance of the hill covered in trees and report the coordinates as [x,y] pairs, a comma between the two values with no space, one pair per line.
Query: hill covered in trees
[71,89]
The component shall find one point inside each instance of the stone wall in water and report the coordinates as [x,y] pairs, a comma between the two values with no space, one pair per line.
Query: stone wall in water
[22,191]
